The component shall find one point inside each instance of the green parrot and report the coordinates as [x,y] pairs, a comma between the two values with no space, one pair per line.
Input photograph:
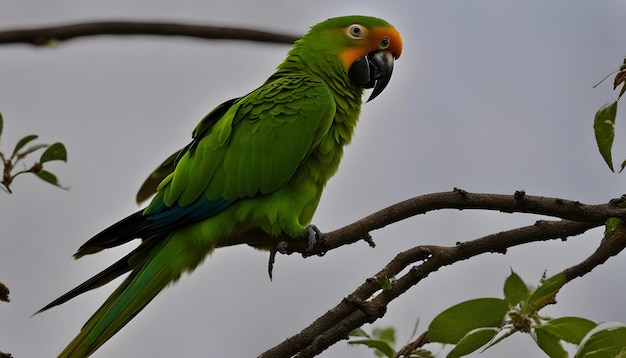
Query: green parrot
[259,161]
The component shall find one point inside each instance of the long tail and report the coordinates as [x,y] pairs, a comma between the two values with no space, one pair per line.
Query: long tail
[162,263]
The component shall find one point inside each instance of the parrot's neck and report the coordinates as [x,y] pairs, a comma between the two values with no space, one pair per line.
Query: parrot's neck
[347,95]
[325,160]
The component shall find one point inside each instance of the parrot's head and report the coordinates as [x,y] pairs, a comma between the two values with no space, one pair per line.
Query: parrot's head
[361,48]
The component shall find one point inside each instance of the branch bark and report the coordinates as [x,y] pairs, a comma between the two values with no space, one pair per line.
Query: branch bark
[459,199]
[43,36]
[369,301]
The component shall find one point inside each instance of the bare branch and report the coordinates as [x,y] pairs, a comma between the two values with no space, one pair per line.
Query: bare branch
[611,245]
[360,308]
[43,36]
[457,199]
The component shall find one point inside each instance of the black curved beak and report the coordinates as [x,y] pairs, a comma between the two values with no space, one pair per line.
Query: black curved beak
[373,70]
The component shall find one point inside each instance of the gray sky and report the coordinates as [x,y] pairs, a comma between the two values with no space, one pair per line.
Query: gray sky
[488,96]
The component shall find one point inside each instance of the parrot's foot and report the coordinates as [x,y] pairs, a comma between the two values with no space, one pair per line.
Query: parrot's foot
[282,247]
[315,235]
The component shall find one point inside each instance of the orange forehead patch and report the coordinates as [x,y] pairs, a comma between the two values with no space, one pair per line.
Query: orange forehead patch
[372,42]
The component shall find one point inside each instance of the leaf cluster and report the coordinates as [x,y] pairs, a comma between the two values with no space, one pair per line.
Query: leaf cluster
[484,322]
[51,152]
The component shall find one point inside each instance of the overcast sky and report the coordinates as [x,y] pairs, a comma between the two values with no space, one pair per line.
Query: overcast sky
[489,96]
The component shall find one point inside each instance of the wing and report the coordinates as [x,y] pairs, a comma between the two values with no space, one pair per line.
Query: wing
[253,148]
[150,185]
[256,147]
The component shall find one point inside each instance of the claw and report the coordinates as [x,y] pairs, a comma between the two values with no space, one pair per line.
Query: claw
[315,235]
[282,247]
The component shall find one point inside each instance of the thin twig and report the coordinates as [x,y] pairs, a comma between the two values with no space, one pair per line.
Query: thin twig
[43,36]
[409,348]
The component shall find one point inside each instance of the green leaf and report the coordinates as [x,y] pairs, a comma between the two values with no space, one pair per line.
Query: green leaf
[515,289]
[549,343]
[31,149]
[385,283]
[421,353]
[55,151]
[49,177]
[604,129]
[451,325]
[23,142]
[610,224]
[359,332]
[544,294]
[472,341]
[569,329]
[607,340]
[507,334]
[382,347]
[386,334]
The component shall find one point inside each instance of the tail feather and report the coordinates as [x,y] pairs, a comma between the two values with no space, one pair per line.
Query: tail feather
[147,279]
[122,266]
[132,227]
[109,274]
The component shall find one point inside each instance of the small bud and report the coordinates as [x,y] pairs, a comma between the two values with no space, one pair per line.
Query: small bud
[37,166]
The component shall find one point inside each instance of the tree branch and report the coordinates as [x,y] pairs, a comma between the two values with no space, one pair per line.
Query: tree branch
[456,199]
[43,36]
[360,308]
[611,245]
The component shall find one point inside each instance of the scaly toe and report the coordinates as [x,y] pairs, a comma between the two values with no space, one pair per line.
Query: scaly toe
[314,236]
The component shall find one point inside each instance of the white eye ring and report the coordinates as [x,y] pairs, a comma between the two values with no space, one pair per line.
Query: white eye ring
[356,31]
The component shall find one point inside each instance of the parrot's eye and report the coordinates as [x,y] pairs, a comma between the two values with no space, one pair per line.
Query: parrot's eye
[356,31]
[384,43]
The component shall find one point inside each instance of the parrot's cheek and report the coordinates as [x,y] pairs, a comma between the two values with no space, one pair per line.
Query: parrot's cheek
[372,71]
